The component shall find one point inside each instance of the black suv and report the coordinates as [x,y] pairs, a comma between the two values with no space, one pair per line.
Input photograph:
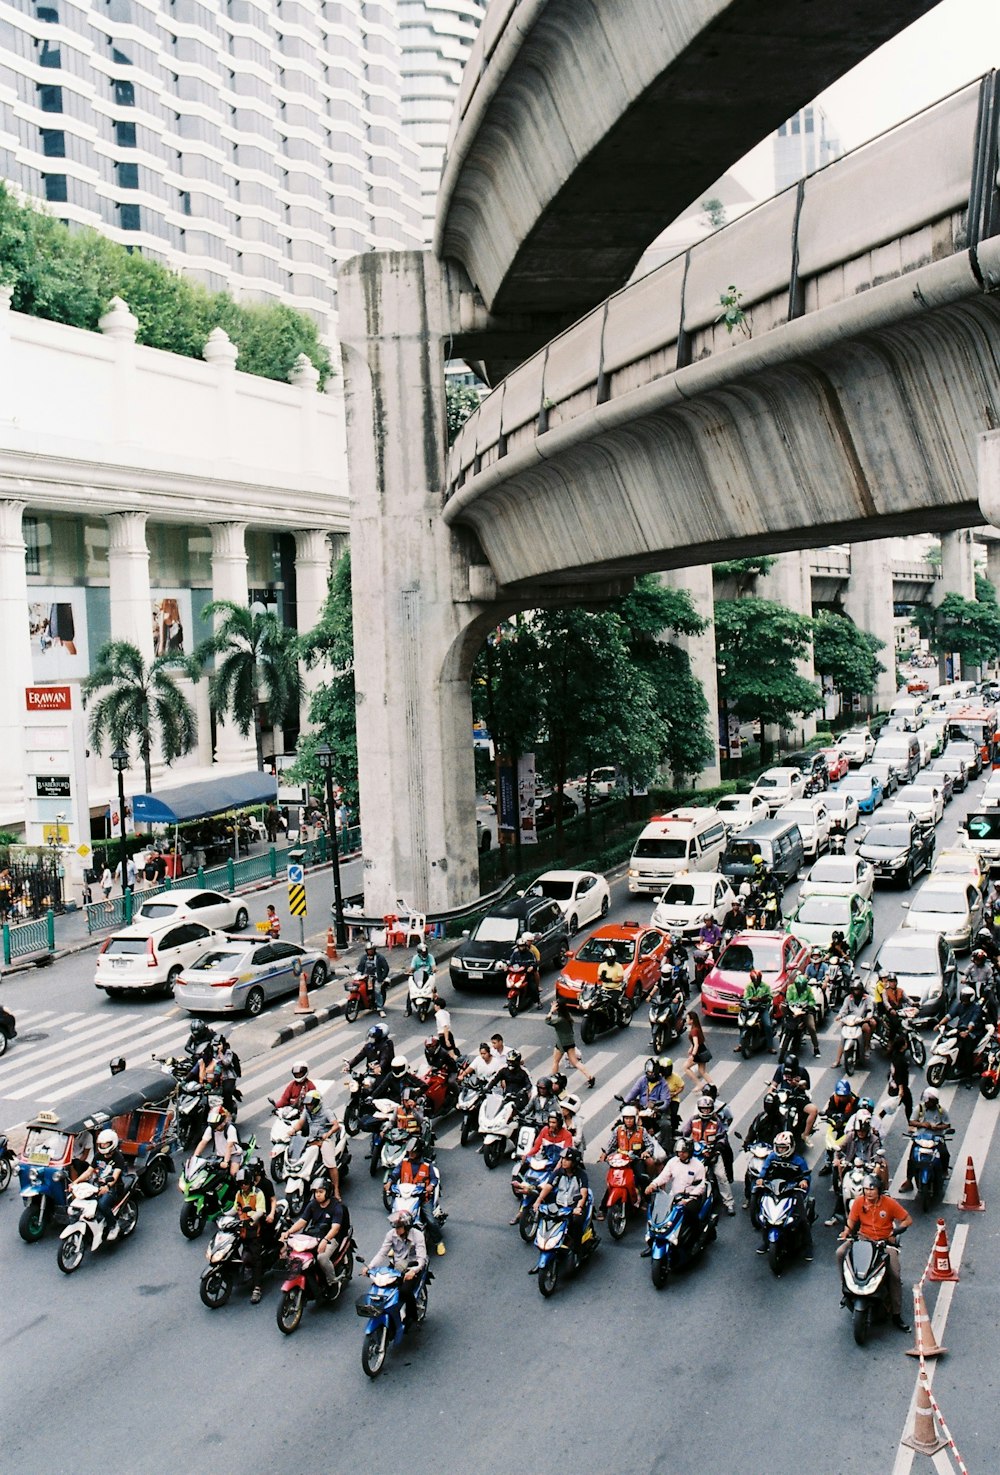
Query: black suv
[813,768]
[482,957]
[898,851]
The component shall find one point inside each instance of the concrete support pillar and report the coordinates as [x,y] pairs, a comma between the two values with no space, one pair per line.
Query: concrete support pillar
[957,577]
[868,602]
[701,653]
[993,565]
[789,582]
[416,630]
[229,581]
[15,660]
[312,581]
[128,571]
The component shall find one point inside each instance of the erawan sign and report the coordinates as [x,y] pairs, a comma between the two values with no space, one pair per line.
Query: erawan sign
[48,698]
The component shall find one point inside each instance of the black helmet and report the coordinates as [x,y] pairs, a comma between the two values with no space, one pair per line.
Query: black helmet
[543,1085]
[686,1144]
[513,1057]
[770,1101]
[709,1088]
[573,1155]
[791,1062]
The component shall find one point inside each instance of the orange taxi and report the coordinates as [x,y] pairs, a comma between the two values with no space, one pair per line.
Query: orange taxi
[638,949]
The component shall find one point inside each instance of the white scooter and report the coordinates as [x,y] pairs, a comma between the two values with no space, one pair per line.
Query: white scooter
[314,1165]
[499,1126]
[852,1040]
[420,995]
[85,1222]
[282,1132]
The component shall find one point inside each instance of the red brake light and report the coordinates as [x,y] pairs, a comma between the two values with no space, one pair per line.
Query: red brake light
[152,961]
[105,945]
[224,982]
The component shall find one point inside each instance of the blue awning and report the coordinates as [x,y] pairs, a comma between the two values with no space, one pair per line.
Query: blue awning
[197,801]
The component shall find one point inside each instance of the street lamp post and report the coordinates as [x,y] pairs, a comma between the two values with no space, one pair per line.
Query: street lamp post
[119,762]
[324,757]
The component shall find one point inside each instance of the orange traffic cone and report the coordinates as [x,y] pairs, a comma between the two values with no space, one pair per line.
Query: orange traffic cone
[941,1257]
[971,1199]
[331,945]
[925,1343]
[924,1438]
[304,1005]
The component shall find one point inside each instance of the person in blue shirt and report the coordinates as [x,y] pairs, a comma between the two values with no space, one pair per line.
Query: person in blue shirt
[784,1164]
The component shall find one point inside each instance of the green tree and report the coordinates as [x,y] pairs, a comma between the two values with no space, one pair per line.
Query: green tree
[985,592]
[252,652]
[757,644]
[462,400]
[744,570]
[330,647]
[969,628]
[141,702]
[847,655]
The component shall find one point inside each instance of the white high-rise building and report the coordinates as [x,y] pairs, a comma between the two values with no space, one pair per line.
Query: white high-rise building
[252,144]
[802,145]
[436,36]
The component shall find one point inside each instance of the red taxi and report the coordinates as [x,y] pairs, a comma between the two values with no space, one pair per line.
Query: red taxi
[637,948]
[778,955]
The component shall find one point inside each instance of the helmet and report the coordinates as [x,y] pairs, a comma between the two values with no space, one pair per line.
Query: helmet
[966,991]
[888,978]
[705,1106]
[312,1101]
[843,1087]
[871,1180]
[399,1065]
[784,1144]
[857,986]
[629,1114]
[243,1177]
[369,947]
[710,1089]
[377,1032]
[770,1101]
[865,1103]
[755,975]
[543,1086]
[609,955]
[815,951]
[513,1057]
[756,860]
[800,978]
[573,1155]
[791,1062]
[300,1070]
[107,1141]
[707,917]
[651,1069]
[979,952]
[217,1040]
[421,947]
[862,1119]
[837,937]
[558,1082]
[431,1044]
[685,1145]
[554,1116]
[117,1065]
[929,1096]
[217,1116]
[524,940]
[571,1103]
[403,1222]
[666,1065]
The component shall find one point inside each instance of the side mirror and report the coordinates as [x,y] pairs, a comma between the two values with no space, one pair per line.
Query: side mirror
[466,933]
[906,906]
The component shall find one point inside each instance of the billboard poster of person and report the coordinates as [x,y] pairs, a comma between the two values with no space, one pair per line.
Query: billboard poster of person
[171,621]
[57,624]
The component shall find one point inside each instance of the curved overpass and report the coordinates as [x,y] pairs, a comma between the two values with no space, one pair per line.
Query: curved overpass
[646,437]
[582,126]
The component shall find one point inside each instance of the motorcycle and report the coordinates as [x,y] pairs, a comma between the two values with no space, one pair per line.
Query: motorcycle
[499,1125]
[989,1064]
[305,1280]
[7,1158]
[420,995]
[8,1029]
[756,1153]
[525,1182]
[228,1266]
[522,991]
[361,1085]
[865,1284]
[441,1089]
[603,1010]
[926,1167]
[623,1193]
[677,1236]
[943,1064]
[783,1213]
[752,1037]
[838,980]
[905,1020]
[556,1253]
[794,1020]
[209,1190]
[704,961]
[852,1038]
[386,1315]
[666,1011]
[791,1108]
[852,1184]
[85,1222]
[282,1132]
[312,1167]
[360,995]
[194,1102]
[471,1096]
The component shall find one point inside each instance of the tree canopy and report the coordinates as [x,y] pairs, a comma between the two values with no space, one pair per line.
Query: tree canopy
[251,651]
[141,703]
[969,628]
[757,645]
[330,646]
[848,655]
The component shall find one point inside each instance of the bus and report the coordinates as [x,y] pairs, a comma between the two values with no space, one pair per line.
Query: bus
[974,725]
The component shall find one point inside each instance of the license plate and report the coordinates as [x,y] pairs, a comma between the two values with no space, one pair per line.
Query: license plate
[119,962]
[732,1008]
[475,973]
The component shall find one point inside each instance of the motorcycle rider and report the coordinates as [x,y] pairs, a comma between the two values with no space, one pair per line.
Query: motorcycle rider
[709,933]
[107,1169]
[438,1058]
[553,1134]
[403,1245]
[735,919]
[251,1208]
[784,1163]
[377,1051]
[568,1184]
[799,995]
[442,1020]
[755,990]
[541,1102]
[879,1218]
[793,1077]
[221,1139]
[610,973]
[726,1118]
[317,1124]
[856,1005]
[297,1087]
[327,1220]
[966,1013]
[423,968]
[513,1080]
[980,972]
[890,1000]
[570,1108]
[373,966]
[816,968]
[767,1123]
[686,1176]
[708,1128]
[483,1065]
[652,1092]
[417,1168]
[931,1117]
[838,948]
[630,1137]
[219,1070]
[842,1103]
[862,1140]
[524,956]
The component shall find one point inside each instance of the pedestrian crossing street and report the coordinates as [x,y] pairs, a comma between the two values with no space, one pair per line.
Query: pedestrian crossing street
[74,1058]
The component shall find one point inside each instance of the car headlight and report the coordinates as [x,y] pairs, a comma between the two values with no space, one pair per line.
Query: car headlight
[898,862]
[632,871]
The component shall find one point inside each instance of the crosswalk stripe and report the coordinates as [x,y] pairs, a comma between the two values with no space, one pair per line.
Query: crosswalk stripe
[975,1144]
[36,1062]
[162,1037]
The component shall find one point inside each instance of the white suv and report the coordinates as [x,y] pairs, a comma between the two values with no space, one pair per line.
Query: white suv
[858,744]
[778,786]
[138,960]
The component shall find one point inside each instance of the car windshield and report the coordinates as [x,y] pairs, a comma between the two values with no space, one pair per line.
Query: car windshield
[594,948]
[855,786]
[44,1145]
[940,899]
[733,801]
[824,911]
[155,910]
[686,894]
[841,871]
[740,957]
[921,791]
[896,837]
[554,890]
[897,957]
[209,961]
[653,849]
[956,865]
[498,929]
[771,783]
[129,947]
[838,801]
[800,812]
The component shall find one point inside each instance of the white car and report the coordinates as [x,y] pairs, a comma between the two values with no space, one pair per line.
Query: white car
[991,790]
[780,786]
[948,905]
[742,810]
[144,960]
[843,809]
[858,744]
[926,801]
[688,898]
[190,904]
[813,819]
[581,896]
[837,875]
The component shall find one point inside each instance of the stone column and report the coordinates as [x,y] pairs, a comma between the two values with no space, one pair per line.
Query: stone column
[957,577]
[312,581]
[15,660]
[789,582]
[868,602]
[229,581]
[128,571]
[701,653]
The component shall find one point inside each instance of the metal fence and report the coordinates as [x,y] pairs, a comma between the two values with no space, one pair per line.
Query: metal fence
[25,938]
[29,889]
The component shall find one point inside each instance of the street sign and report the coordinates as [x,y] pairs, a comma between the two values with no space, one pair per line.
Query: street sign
[297,900]
[296,875]
[979,827]
[52,786]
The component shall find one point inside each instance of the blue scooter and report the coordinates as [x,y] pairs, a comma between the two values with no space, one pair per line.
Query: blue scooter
[926,1167]
[386,1317]
[783,1212]
[525,1183]
[556,1250]
[676,1234]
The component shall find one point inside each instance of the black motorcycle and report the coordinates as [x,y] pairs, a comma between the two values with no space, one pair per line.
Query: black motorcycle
[750,1020]
[228,1265]
[667,1008]
[8,1029]
[603,1010]
[865,1284]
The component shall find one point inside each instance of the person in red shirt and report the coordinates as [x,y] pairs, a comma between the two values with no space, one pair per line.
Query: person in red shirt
[297,1087]
[553,1134]
[877,1217]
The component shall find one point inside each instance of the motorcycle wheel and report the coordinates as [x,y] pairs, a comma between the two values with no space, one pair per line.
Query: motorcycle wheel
[352,1119]
[774,1258]
[294,1200]
[618,1219]
[527,1223]
[387,1197]
[493,1153]
[745,1050]
[660,1272]
[659,1041]
[192,1221]
[918,1050]
[626,1011]
[373,1350]
[926,1196]
[290,1309]
[548,1279]
[423,1011]
[128,1218]
[850,1060]
[352,1009]
[69,1256]
[861,1324]
[31,1226]
[588,1033]
[374,1163]
[215,1289]
[468,1130]
[154,1179]
[989,1087]
[936,1072]
[420,1302]
[512,1007]
[4,1174]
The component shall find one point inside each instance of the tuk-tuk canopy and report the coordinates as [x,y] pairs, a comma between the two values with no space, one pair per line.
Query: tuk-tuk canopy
[128,1091]
[198,801]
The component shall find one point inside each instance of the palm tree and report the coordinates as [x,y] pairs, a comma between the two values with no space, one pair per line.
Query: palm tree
[253,652]
[141,702]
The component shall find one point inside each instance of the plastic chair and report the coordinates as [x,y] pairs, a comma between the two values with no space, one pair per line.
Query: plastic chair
[416,929]
[393,931]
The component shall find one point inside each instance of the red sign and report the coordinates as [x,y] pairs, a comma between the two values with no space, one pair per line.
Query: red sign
[48,698]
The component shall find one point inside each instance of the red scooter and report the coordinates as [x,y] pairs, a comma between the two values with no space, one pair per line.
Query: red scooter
[360,995]
[622,1193]
[522,990]
[305,1280]
[440,1090]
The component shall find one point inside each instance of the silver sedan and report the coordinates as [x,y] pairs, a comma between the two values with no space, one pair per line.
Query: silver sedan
[244,975]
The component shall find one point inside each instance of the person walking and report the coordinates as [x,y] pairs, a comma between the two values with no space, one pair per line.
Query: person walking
[107,882]
[698,1052]
[562,1022]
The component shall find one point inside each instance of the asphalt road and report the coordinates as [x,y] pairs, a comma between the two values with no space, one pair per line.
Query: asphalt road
[121,1369]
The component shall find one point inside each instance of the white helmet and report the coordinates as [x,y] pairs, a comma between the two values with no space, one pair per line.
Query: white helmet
[399,1065]
[107,1141]
[784,1144]
[629,1114]
[929,1096]
[300,1070]
[525,939]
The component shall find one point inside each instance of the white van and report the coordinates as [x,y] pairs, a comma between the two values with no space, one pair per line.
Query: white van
[912,710]
[681,840]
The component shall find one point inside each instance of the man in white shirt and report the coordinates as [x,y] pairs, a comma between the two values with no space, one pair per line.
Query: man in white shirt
[484,1065]
[685,1177]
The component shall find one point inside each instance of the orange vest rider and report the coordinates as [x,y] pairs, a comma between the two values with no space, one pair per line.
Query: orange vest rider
[629,1141]
[406,1119]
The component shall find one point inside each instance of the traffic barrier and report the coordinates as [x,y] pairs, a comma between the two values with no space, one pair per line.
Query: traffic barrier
[970,1199]
[331,946]
[941,1268]
[925,1343]
[924,1437]
[304,1005]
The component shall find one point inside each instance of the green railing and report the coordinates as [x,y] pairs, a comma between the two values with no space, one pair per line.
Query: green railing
[24,938]
[103,916]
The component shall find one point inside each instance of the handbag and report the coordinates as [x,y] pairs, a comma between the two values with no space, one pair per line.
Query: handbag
[704,1055]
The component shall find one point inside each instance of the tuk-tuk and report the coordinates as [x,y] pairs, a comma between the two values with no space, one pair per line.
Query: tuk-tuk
[137,1104]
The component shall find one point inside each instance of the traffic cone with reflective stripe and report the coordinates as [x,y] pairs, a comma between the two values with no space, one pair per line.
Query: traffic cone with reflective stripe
[971,1199]
[941,1257]
[924,1437]
[925,1343]
[331,945]
[304,1005]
